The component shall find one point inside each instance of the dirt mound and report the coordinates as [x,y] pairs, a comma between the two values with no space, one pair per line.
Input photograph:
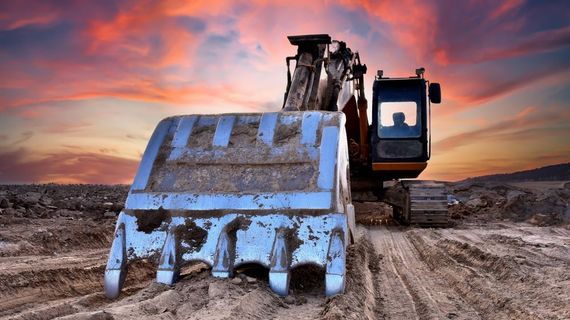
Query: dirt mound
[53,200]
[24,236]
[503,201]
[51,219]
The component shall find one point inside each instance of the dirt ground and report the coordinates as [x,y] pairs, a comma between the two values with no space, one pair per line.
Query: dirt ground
[497,262]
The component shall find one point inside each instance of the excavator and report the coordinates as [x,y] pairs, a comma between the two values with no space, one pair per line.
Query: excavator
[275,189]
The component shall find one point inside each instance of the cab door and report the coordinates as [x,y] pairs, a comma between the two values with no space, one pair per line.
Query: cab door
[399,131]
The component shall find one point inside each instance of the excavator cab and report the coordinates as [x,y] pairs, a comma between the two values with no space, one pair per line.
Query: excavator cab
[400,130]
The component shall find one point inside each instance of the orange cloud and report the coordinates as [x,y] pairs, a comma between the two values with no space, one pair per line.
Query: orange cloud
[60,127]
[459,170]
[19,166]
[134,33]
[510,128]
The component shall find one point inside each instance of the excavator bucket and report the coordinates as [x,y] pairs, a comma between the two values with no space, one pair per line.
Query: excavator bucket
[234,189]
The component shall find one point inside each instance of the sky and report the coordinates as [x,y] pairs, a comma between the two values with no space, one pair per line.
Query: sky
[84,83]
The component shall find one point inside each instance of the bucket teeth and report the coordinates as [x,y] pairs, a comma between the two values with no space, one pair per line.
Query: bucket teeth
[168,267]
[116,269]
[335,269]
[234,189]
[280,261]
[225,250]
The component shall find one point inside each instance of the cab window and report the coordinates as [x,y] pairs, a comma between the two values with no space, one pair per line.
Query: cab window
[399,119]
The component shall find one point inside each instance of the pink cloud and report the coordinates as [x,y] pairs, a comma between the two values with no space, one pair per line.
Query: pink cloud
[542,41]
[42,19]
[412,22]
[505,7]
[28,13]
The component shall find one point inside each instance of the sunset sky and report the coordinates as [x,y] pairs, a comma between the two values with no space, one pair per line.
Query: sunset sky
[83,83]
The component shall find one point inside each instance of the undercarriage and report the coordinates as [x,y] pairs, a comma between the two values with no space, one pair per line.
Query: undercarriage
[414,202]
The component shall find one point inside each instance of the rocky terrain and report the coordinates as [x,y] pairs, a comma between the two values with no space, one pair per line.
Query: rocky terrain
[506,257]
[536,203]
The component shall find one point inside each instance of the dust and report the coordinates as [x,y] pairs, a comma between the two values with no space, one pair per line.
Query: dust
[491,271]
[260,176]
[502,267]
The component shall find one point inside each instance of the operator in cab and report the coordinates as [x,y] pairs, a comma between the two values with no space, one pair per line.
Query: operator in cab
[400,127]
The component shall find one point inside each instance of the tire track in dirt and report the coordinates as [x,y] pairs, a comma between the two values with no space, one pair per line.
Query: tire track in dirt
[196,296]
[362,298]
[417,294]
[29,280]
[468,273]
[398,302]
[499,287]
[535,244]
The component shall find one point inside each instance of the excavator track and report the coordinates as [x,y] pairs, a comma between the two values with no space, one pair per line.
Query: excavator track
[428,204]
[418,203]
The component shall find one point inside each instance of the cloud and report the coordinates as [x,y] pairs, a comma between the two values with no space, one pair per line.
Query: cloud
[452,32]
[23,166]
[178,53]
[505,7]
[537,42]
[24,136]
[42,19]
[472,88]
[410,22]
[527,124]
[144,90]
[136,137]
[67,127]
[20,16]
[460,170]
[150,59]
[108,151]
